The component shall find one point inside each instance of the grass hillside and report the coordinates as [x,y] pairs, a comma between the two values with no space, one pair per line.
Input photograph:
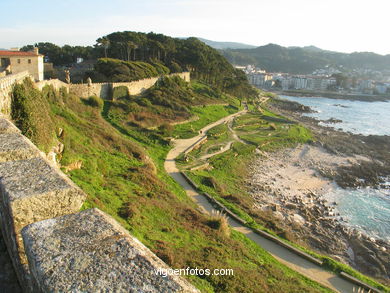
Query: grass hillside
[122,173]
[258,131]
[171,100]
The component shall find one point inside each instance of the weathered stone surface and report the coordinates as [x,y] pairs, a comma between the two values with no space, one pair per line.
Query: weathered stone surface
[32,190]
[14,146]
[90,252]
[7,127]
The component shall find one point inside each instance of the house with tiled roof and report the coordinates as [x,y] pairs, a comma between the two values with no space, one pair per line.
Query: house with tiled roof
[12,61]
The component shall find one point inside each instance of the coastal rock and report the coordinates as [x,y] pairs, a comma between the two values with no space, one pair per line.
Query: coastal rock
[291,206]
[298,219]
[352,161]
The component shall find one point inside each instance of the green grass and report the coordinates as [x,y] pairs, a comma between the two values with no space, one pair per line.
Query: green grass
[207,114]
[217,130]
[123,175]
[228,173]
[190,245]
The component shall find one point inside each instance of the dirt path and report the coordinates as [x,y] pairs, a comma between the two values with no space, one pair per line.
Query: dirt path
[282,254]
[228,145]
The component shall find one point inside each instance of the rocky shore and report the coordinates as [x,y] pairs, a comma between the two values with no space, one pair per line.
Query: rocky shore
[291,183]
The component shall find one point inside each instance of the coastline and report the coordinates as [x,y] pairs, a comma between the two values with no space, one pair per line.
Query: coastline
[290,185]
[334,95]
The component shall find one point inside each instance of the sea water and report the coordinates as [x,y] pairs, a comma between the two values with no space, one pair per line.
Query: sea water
[366,209]
[358,117]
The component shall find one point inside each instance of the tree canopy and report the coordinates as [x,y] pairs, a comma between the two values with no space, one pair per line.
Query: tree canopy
[204,62]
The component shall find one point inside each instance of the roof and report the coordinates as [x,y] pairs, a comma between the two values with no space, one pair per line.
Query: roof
[17,53]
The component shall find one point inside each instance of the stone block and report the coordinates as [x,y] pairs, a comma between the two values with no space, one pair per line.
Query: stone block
[32,190]
[14,146]
[7,127]
[90,252]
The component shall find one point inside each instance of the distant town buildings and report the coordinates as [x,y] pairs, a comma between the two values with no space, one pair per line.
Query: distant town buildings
[327,79]
[14,61]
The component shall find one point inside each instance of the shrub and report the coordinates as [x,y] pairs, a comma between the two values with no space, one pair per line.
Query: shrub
[166,129]
[120,92]
[119,70]
[144,102]
[174,67]
[219,221]
[95,102]
[30,111]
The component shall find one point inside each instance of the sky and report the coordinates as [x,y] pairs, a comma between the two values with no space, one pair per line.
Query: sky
[337,25]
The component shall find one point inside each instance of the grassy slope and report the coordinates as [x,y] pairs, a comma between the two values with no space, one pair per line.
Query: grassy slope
[206,116]
[229,187]
[253,255]
[121,179]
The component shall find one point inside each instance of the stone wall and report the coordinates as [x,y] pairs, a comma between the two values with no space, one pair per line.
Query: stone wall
[55,83]
[31,189]
[6,85]
[104,90]
[53,246]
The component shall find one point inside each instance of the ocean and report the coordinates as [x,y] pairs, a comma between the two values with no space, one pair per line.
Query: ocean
[365,209]
[358,117]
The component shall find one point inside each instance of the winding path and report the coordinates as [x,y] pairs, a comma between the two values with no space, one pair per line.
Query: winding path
[285,256]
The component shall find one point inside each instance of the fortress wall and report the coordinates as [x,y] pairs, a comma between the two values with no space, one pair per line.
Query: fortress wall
[139,86]
[55,83]
[6,85]
[84,90]
[31,190]
[104,90]
[52,245]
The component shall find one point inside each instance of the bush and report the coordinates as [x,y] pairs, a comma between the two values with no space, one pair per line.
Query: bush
[144,102]
[174,67]
[166,129]
[119,70]
[95,102]
[219,221]
[120,92]
[30,111]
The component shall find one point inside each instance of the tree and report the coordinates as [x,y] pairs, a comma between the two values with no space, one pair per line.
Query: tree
[105,43]
[129,47]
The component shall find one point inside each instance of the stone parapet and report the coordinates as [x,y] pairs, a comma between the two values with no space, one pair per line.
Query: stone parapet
[7,127]
[14,146]
[90,252]
[32,190]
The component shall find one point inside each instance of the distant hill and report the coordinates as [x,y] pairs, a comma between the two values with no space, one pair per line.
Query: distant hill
[225,45]
[307,48]
[304,60]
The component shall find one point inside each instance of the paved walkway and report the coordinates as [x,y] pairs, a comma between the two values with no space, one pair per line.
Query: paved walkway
[282,254]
